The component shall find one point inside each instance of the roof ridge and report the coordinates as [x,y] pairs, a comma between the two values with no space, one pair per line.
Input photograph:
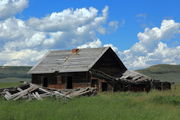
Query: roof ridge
[76,48]
[105,49]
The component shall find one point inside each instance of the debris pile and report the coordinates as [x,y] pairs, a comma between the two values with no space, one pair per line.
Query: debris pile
[31,91]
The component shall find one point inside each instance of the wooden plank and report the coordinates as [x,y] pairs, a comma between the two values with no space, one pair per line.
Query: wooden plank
[7,95]
[38,96]
[24,92]
[33,92]
[19,89]
[44,90]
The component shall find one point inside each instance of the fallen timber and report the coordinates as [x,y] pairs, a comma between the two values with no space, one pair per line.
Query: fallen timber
[131,81]
[31,91]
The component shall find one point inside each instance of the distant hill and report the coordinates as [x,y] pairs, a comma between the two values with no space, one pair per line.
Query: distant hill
[14,73]
[163,72]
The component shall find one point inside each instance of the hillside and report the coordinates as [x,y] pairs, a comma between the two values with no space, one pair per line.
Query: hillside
[163,72]
[14,73]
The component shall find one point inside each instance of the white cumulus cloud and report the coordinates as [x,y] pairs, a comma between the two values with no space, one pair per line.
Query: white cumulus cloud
[94,44]
[62,29]
[21,57]
[23,41]
[152,47]
[10,8]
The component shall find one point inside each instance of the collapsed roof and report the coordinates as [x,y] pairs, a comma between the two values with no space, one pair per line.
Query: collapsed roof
[132,76]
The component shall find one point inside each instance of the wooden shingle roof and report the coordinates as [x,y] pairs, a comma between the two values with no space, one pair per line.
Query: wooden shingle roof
[68,61]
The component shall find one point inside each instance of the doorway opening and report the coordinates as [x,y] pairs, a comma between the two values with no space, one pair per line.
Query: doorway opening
[69,83]
[45,82]
[104,86]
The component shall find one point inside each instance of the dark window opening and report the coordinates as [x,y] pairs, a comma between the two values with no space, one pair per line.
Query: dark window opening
[104,86]
[69,83]
[94,83]
[52,81]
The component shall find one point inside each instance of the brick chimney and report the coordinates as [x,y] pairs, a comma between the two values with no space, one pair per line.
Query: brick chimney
[75,51]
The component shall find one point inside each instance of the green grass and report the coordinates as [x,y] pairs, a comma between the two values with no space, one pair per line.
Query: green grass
[156,105]
[14,79]
[8,84]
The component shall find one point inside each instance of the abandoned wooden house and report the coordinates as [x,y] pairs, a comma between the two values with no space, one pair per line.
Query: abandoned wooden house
[89,67]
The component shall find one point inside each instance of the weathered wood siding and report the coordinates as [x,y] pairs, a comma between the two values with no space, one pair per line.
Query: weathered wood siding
[98,84]
[110,63]
[59,81]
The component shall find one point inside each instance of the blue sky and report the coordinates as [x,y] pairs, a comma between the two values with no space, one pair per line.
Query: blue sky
[143,32]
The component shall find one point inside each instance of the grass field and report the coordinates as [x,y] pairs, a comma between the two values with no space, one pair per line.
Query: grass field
[8,84]
[156,105]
